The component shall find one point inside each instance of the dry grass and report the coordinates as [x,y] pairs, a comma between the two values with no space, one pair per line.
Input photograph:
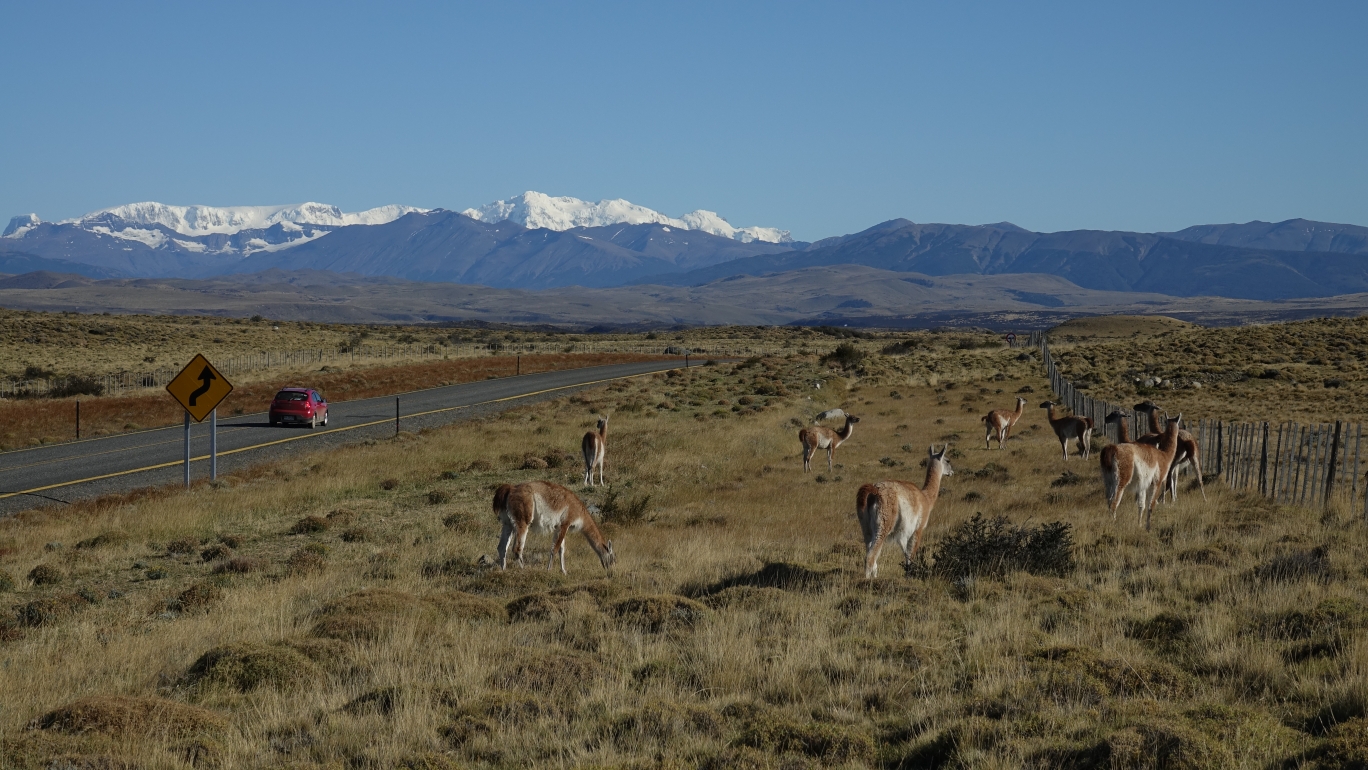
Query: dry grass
[736,630]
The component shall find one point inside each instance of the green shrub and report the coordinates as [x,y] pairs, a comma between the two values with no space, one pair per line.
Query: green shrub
[846,355]
[980,547]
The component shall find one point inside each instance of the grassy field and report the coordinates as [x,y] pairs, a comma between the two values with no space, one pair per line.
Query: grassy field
[1313,370]
[340,610]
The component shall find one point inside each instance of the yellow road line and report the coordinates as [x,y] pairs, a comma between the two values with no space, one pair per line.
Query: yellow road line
[316,434]
[74,458]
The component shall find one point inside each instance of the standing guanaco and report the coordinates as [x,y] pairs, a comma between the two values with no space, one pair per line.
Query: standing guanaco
[899,511]
[1189,453]
[821,437]
[1071,427]
[594,447]
[1147,465]
[999,423]
[545,507]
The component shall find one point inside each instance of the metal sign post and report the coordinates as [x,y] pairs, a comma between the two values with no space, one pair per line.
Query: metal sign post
[200,388]
[213,445]
[187,450]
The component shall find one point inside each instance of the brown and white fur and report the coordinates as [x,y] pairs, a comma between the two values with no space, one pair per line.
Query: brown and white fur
[999,423]
[594,447]
[899,511]
[1148,466]
[1071,427]
[821,437]
[1189,454]
[545,507]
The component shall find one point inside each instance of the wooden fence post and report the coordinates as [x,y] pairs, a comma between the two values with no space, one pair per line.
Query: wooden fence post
[1334,455]
[1263,463]
[1220,447]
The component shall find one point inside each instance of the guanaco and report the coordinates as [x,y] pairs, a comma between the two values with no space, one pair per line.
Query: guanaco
[1148,466]
[546,507]
[1189,453]
[898,510]
[1070,427]
[594,447]
[821,437]
[999,423]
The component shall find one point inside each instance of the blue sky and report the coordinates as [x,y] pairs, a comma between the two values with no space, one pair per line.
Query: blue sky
[819,118]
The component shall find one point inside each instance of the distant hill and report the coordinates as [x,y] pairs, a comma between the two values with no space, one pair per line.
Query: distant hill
[1292,235]
[832,295]
[1094,259]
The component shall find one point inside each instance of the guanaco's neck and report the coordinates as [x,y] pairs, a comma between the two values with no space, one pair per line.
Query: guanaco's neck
[593,535]
[1154,423]
[846,430]
[931,489]
[1021,407]
[1123,431]
[1168,444]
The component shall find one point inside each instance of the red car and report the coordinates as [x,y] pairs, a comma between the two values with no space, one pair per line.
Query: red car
[299,406]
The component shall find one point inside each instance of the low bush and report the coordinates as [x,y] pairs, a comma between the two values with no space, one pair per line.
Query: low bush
[994,547]
[246,666]
[846,355]
[46,575]
[130,716]
[614,508]
[310,525]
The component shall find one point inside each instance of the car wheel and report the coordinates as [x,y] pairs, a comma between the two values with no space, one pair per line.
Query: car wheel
[274,422]
[325,419]
[313,422]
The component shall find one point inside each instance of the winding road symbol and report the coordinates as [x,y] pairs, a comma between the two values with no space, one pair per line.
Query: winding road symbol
[207,377]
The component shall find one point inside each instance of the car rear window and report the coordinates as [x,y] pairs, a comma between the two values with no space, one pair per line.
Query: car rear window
[291,395]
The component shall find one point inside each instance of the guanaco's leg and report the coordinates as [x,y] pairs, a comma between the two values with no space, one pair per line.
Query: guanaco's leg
[505,539]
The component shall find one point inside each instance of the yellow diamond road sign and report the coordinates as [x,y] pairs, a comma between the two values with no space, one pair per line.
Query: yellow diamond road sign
[199,388]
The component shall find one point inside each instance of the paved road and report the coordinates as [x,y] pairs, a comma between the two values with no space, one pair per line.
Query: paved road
[81,469]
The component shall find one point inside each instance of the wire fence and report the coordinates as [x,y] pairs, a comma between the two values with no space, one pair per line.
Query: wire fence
[1290,463]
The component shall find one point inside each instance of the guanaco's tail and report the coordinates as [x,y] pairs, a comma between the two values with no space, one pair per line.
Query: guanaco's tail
[1111,472]
[501,497]
[867,503]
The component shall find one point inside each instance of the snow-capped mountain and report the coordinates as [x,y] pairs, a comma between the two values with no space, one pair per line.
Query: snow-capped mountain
[228,220]
[535,210]
[206,232]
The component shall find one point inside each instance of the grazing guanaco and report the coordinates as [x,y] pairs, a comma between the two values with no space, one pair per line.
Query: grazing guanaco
[1189,453]
[1070,427]
[1146,465]
[899,511]
[822,437]
[999,423]
[594,447]
[545,507]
